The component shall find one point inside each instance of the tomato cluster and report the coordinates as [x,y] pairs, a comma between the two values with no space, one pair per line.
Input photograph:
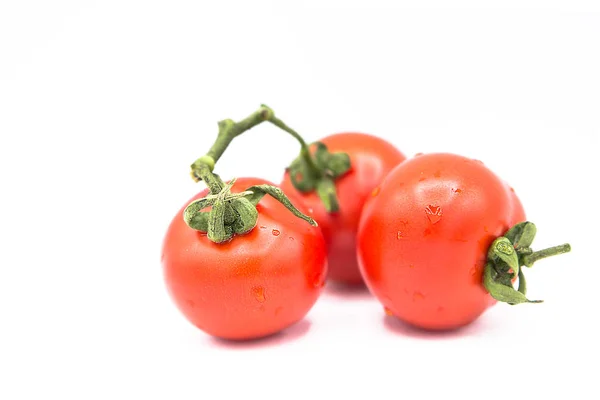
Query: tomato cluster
[437,238]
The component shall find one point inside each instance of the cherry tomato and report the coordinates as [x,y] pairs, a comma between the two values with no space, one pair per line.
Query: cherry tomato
[424,236]
[252,286]
[371,159]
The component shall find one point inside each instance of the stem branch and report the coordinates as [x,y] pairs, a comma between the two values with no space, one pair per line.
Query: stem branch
[529,259]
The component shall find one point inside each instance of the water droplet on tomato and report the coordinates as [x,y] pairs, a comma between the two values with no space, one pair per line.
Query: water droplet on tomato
[457,190]
[291,238]
[418,154]
[275,232]
[434,213]
[512,189]
[411,266]
[418,296]
[310,210]
[375,191]
[259,293]
[263,227]
[399,235]
[388,311]
[422,179]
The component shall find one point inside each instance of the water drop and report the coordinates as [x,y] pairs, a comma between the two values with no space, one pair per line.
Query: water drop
[388,311]
[310,210]
[457,190]
[422,179]
[375,191]
[434,213]
[263,227]
[399,235]
[259,293]
[411,266]
[418,154]
[291,238]
[512,189]
[418,296]
[275,232]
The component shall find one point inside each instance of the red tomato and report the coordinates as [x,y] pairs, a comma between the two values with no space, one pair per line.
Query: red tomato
[423,240]
[371,159]
[256,284]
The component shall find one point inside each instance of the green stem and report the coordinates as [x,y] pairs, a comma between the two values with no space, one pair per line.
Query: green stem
[529,259]
[304,150]
[203,171]
[229,130]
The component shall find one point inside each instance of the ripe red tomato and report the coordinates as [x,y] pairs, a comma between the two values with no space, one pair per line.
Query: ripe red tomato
[252,286]
[424,236]
[371,159]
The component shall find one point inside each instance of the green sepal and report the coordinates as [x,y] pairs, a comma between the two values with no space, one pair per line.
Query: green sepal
[229,216]
[327,193]
[218,232]
[318,173]
[522,283]
[247,215]
[259,191]
[333,164]
[302,176]
[502,292]
[522,235]
[198,221]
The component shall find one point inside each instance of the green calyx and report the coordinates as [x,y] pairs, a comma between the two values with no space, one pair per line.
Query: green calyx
[233,213]
[506,258]
[319,172]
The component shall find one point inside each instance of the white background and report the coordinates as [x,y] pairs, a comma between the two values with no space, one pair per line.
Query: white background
[104,104]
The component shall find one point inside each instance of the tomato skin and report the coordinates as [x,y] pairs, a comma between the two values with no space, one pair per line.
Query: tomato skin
[256,284]
[371,159]
[423,240]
